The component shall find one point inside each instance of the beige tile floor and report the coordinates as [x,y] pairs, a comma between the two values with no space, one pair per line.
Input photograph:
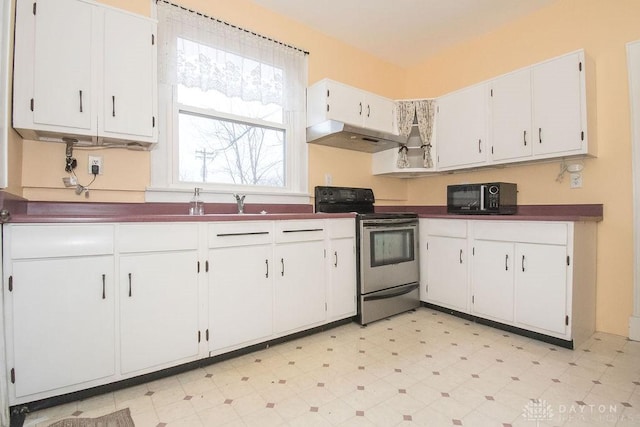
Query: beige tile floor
[422,368]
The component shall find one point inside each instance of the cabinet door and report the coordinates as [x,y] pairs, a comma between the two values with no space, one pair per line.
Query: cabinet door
[447,283]
[299,294]
[345,103]
[557,105]
[378,113]
[63,322]
[462,127]
[240,295]
[63,64]
[158,309]
[342,279]
[511,116]
[541,287]
[129,74]
[492,279]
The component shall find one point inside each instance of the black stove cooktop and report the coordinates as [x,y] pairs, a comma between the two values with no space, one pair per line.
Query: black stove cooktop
[350,199]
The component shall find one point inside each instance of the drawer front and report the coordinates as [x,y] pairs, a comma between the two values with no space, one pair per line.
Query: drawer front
[240,233]
[300,231]
[158,237]
[55,240]
[447,227]
[339,228]
[553,233]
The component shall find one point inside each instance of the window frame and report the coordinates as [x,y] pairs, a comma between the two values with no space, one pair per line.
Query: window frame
[165,185]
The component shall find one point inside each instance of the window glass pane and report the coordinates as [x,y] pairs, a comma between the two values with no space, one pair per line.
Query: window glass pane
[214,79]
[214,150]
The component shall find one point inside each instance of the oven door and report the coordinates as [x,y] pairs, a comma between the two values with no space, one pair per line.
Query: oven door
[388,253]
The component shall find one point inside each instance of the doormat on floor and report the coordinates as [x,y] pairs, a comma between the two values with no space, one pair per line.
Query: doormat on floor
[121,418]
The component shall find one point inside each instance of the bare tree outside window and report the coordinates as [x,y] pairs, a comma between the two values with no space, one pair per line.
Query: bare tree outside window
[222,151]
[230,118]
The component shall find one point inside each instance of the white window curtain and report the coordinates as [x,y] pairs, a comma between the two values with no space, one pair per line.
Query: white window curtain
[200,52]
[242,78]
[406,111]
[425,112]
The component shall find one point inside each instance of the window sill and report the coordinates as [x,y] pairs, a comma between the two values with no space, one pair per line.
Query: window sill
[183,195]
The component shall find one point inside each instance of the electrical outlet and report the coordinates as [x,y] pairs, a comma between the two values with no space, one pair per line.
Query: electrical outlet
[95,161]
[328,179]
[576,180]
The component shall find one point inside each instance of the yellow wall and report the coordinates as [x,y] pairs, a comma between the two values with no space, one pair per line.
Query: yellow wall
[127,173]
[602,28]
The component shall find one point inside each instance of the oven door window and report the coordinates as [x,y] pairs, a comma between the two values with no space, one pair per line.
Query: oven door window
[392,246]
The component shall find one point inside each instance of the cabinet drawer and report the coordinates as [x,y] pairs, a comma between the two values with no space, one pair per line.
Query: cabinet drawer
[241,233]
[447,227]
[553,233]
[44,241]
[158,237]
[338,228]
[300,231]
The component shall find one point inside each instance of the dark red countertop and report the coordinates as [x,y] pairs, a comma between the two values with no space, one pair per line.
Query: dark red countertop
[576,213]
[24,211]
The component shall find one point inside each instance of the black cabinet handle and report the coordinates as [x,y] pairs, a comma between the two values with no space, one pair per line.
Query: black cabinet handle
[266,262]
[104,295]
[360,108]
[524,138]
[460,256]
[522,262]
[282,262]
[479,146]
[506,262]
[129,284]
[113,106]
[368,110]
[540,135]
[335,264]
[80,101]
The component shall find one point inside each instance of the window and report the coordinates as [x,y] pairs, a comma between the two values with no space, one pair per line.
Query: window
[234,106]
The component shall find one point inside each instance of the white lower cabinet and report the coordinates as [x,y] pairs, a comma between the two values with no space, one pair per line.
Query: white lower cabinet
[240,284]
[299,298]
[59,308]
[158,289]
[444,269]
[341,268]
[90,304]
[492,279]
[536,276]
[541,291]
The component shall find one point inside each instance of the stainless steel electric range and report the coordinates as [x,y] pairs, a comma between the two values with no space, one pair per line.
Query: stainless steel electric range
[387,252]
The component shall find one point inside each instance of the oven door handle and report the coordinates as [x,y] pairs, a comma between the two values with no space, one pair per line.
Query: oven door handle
[401,223]
[404,290]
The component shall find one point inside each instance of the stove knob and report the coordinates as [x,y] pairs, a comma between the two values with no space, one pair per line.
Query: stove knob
[493,189]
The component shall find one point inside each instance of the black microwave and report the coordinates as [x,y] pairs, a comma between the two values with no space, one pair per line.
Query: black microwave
[497,198]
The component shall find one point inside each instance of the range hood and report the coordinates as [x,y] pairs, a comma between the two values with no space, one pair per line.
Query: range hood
[343,135]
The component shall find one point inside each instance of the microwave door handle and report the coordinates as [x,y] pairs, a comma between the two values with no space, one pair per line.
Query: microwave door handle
[483,189]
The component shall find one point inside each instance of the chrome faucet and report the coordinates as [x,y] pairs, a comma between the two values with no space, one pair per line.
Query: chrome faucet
[240,202]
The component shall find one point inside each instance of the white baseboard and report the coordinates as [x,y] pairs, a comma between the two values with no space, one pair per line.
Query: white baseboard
[634,328]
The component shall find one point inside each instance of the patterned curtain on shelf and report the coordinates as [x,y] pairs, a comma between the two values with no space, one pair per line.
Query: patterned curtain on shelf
[406,111]
[425,111]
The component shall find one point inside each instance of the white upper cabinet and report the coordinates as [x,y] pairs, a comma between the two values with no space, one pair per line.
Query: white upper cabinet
[331,100]
[129,97]
[511,117]
[559,106]
[62,64]
[84,71]
[461,120]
